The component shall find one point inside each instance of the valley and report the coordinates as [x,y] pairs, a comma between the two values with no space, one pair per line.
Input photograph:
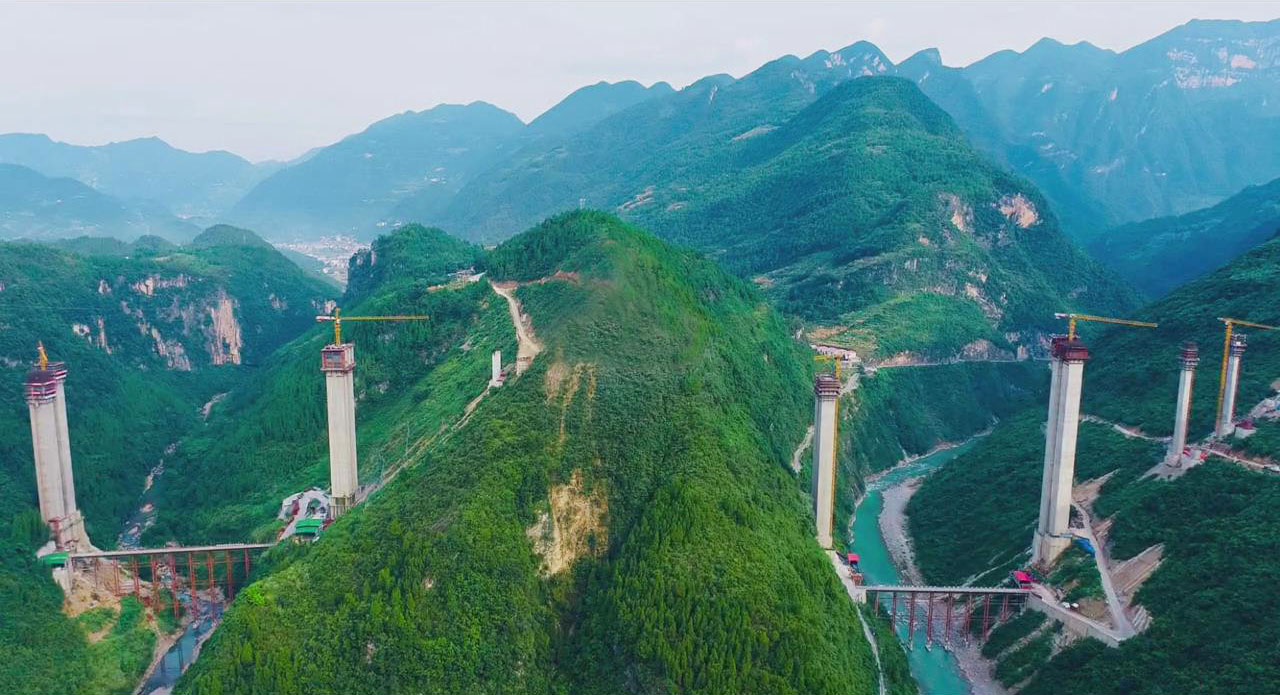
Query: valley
[621,384]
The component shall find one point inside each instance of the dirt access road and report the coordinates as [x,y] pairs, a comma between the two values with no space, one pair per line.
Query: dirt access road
[529,345]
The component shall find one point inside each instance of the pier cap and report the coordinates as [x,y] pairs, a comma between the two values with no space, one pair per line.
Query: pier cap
[1067,349]
[826,386]
[1190,355]
[42,381]
[338,358]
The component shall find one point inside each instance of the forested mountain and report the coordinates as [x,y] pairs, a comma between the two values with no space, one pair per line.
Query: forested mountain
[1174,124]
[406,168]
[863,211]
[591,104]
[1161,254]
[352,185]
[185,184]
[620,517]
[148,337]
[34,206]
[1217,522]
[617,159]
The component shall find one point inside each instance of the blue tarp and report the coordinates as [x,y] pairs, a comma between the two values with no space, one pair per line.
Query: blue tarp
[1084,543]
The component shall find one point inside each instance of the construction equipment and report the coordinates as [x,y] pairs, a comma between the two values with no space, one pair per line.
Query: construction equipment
[1072,318]
[43,359]
[337,318]
[832,359]
[1226,349]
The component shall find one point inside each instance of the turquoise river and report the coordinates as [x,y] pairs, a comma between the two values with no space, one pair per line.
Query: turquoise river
[935,669]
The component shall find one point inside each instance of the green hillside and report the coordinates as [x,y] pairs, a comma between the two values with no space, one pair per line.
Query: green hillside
[591,104]
[617,159]
[36,207]
[864,211]
[618,518]
[1161,254]
[141,336]
[1133,376]
[187,184]
[1173,124]
[352,185]
[1211,633]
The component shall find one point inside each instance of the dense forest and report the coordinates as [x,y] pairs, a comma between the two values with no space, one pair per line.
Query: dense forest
[1208,598]
[127,402]
[620,517]
[856,205]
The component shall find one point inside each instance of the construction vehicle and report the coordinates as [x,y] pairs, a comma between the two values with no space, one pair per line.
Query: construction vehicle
[1226,351]
[337,318]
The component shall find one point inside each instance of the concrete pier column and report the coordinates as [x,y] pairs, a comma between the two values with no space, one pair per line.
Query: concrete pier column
[1226,419]
[41,395]
[338,362]
[1188,360]
[73,523]
[826,389]
[1051,429]
[1052,532]
[495,375]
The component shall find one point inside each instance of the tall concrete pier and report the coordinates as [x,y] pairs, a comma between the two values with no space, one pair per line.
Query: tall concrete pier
[826,390]
[338,362]
[1226,418]
[495,371]
[51,444]
[1188,360]
[1066,365]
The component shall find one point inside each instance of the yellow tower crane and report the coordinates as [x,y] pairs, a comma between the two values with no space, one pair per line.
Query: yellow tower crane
[337,318]
[835,361]
[1072,318]
[43,359]
[1226,350]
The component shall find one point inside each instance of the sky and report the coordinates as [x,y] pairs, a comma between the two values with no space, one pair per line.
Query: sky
[272,80]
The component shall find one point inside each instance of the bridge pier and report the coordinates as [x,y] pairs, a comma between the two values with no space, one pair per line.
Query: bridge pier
[1188,360]
[826,390]
[1052,535]
[1226,418]
[338,362]
[51,447]
[946,637]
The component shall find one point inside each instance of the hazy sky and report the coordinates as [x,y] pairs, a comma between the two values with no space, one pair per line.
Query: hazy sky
[273,80]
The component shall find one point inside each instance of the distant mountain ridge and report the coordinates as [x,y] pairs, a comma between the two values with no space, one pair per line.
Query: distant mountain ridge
[856,204]
[34,206]
[408,167]
[1176,123]
[353,184]
[1160,254]
[186,184]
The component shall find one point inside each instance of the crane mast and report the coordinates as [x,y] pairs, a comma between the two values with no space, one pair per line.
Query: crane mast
[1226,352]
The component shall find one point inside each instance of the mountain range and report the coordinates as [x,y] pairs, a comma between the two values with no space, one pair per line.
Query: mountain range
[36,207]
[151,335]
[197,186]
[1174,124]
[1212,523]
[625,512]
[1160,254]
